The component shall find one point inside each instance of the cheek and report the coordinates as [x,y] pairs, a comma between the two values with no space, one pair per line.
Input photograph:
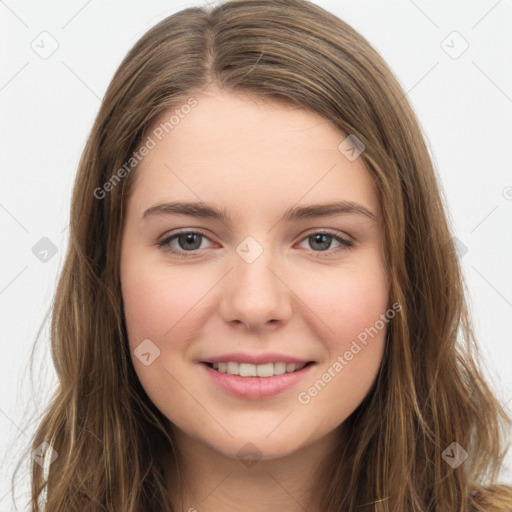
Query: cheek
[359,304]
[358,314]
[345,302]
[157,304]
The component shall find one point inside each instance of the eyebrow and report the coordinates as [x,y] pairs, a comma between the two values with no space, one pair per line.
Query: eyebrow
[207,210]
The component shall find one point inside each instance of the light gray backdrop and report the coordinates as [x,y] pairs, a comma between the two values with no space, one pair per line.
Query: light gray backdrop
[454,59]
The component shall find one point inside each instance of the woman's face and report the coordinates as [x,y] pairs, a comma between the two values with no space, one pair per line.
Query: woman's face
[268,282]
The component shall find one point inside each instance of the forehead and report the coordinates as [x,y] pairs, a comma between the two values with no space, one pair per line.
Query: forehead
[249,153]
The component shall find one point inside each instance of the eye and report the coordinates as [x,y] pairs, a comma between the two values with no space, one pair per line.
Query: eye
[190,241]
[322,240]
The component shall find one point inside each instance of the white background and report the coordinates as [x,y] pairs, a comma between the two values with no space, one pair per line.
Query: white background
[48,105]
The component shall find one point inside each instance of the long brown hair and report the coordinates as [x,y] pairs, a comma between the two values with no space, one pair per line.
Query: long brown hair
[430,391]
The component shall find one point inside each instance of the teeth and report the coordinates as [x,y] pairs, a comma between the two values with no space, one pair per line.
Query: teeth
[290,367]
[279,368]
[259,370]
[233,368]
[244,369]
[262,370]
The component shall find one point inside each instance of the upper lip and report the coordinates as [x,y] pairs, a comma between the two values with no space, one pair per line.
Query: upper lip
[256,358]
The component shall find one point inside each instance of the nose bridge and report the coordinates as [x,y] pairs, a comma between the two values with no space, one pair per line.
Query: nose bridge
[255,295]
[252,269]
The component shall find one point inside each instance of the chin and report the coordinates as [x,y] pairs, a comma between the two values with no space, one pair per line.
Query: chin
[250,451]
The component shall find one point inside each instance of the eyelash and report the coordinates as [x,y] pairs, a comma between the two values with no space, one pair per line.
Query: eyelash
[345,244]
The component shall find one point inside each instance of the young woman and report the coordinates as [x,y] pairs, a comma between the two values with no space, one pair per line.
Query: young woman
[261,305]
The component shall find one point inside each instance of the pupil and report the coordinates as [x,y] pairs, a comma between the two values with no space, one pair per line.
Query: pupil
[189,238]
[319,238]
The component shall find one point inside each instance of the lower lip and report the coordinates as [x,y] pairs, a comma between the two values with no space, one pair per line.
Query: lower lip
[256,388]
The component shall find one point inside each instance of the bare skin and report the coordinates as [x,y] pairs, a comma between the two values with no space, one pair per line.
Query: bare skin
[302,296]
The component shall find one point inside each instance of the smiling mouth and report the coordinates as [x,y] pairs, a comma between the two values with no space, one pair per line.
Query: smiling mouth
[257,370]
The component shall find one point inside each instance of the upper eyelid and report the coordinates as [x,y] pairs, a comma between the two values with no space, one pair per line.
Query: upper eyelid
[184,232]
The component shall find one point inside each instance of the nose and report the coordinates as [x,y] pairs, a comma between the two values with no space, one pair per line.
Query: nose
[256,294]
